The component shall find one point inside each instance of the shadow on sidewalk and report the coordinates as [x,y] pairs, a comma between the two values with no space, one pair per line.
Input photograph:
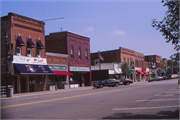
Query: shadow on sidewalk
[159,115]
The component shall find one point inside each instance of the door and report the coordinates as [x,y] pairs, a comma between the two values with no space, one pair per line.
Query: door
[23,84]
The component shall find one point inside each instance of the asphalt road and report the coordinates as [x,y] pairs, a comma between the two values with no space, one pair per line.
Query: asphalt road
[151,100]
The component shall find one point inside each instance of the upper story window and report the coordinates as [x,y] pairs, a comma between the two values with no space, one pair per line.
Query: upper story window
[38,52]
[79,53]
[72,52]
[124,59]
[18,50]
[29,52]
[128,60]
[86,54]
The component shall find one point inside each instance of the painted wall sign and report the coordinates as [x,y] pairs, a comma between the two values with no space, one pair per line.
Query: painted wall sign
[29,60]
[72,68]
[58,67]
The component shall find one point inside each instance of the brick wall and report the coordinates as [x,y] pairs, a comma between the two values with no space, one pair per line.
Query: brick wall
[109,56]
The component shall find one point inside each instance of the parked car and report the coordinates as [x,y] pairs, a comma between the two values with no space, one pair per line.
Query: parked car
[157,78]
[107,82]
[124,81]
[165,77]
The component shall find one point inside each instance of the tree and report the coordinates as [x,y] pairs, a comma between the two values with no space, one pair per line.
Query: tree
[169,26]
[125,69]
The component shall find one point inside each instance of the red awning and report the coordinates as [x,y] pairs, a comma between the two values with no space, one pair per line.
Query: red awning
[61,73]
[139,72]
[145,72]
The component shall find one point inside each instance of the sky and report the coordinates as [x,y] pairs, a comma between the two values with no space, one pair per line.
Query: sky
[109,24]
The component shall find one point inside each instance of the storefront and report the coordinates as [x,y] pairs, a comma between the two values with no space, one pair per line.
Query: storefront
[60,77]
[29,74]
[80,76]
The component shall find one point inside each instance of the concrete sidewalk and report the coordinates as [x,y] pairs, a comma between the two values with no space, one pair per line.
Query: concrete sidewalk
[17,95]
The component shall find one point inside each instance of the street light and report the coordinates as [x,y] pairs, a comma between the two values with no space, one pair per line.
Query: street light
[6,42]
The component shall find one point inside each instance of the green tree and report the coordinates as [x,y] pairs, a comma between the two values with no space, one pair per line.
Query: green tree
[169,26]
[125,69]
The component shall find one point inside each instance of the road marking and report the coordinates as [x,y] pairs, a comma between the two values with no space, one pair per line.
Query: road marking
[140,108]
[66,97]
[166,95]
[156,100]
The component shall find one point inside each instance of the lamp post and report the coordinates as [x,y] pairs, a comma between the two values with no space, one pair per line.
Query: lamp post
[6,41]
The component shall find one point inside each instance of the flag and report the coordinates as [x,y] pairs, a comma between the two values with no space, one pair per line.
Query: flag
[101,57]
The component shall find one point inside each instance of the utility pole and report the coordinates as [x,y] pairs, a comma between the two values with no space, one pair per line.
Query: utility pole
[172,62]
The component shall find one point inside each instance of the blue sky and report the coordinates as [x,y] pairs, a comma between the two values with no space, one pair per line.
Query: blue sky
[110,24]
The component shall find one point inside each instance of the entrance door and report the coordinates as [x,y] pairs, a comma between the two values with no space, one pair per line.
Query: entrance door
[23,84]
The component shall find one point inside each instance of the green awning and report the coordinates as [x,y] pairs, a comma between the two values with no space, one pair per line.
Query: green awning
[133,71]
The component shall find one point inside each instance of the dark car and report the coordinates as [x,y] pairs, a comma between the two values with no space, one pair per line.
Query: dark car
[124,81]
[165,77]
[107,82]
[157,78]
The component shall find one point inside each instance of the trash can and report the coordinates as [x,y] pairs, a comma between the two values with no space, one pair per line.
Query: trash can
[10,91]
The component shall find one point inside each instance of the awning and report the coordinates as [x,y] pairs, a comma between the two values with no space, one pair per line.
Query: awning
[30,43]
[19,42]
[145,72]
[139,72]
[133,71]
[61,73]
[164,71]
[40,45]
[28,69]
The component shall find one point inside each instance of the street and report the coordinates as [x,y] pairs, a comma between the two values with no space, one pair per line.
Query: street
[147,100]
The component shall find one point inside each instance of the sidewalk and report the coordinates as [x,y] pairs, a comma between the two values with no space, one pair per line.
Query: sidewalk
[17,95]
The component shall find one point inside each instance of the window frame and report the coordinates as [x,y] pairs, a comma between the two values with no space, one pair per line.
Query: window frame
[72,52]
[38,51]
[18,48]
[79,53]
[29,55]
[86,54]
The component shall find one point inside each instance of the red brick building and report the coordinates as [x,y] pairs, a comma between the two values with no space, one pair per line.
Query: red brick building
[28,71]
[77,47]
[121,55]
[156,66]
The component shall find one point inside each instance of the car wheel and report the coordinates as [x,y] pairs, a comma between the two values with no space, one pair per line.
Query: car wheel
[101,86]
[116,85]
[127,83]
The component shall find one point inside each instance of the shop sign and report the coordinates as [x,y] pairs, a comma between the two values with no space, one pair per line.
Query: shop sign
[58,67]
[117,68]
[79,68]
[111,72]
[29,60]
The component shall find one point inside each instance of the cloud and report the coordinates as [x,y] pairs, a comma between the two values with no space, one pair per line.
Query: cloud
[90,29]
[117,32]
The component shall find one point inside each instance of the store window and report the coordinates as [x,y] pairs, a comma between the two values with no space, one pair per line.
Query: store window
[18,50]
[86,54]
[79,53]
[72,52]
[29,52]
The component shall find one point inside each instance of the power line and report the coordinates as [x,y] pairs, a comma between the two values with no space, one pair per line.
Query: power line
[53,19]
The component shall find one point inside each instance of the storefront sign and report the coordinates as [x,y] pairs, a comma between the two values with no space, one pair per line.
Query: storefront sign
[29,60]
[58,67]
[79,68]
[111,72]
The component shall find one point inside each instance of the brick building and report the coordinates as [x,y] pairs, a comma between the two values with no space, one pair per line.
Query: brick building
[121,55]
[156,67]
[58,63]
[77,47]
[28,71]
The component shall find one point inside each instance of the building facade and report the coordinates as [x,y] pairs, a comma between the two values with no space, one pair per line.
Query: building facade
[77,47]
[156,67]
[28,70]
[121,55]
